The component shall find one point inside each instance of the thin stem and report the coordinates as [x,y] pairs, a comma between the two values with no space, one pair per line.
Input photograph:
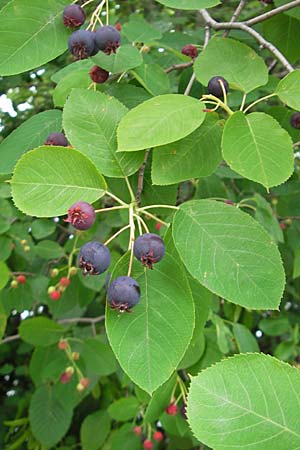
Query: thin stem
[117,199]
[113,208]
[272,13]
[224,92]
[179,66]
[10,339]
[243,101]
[137,218]
[258,101]
[132,196]
[218,101]
[141,179]
[235,15]
[116,234]
[89,320]
[142,222]
[190,84]
[107,13]
[70,258]
[86,3]
[146,213]
[131,239]
[144,208]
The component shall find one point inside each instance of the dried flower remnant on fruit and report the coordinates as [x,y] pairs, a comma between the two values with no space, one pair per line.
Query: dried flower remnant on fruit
[215,86]
[81,215]
[58,139]
[81,44]
[295,120]
[190,50]
[123,293]
[73,16]
[108,39]
[98,75]
[149,248]
[93,258]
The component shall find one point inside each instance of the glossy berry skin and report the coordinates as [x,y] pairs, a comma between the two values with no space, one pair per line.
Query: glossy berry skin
[81,215]
[73,16]
[123,293]
[190,50]
[214,87]
[158,436]
[147,445]
[58,139]
[93,258]
[149,248]
[98,75]
[172,409]
[295,120]
[81,44]
[21,279]
[108,39]
[55,295]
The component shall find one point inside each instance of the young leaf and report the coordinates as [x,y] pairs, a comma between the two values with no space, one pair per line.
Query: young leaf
[159,121]
[288,89]
[247,401]
[257,147]
[229,253]
[64,176]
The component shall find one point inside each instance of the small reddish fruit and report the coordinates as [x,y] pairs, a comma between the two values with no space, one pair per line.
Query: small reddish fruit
[148,445]
[118,26]
[83,384]
[282,225]
[64,281]
[63,344]
[172,409]
[81,215]
[98,75]
[55,295]
[21,279]
[137,430]
[67,375]
[158,226]
[190,50]
[158,436]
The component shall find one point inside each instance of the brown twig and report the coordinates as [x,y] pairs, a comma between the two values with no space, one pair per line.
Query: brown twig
[10,338]
[90,320]
[141,179]
[179,66]
[272,13]
[235,15]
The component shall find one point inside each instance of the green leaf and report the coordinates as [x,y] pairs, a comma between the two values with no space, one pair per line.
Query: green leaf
[32,33]
[98,357]
[50,417]
[75,79]
[64,176]
[3,320]
[94,430]
[265,216]
[248,401]
[27,136]
[194,156]
[229,253]
[275,326]
[49,250]
[47,364]
[236,62]
[189,4]
[150,342]
[129,95]
[124,409]
[40,331]
[160,400]
[284,32]
[90,121]
[288,89]
[126,58]
[258,148]
[4,274]
[138,30]
[18,299]
[159,121]
[245,340]
[153,78]
[123,438]
[42,228]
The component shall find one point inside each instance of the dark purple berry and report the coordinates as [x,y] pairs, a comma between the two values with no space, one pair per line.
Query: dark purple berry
[108,39]
[123,293]
[295,120]
[215,88]
[149,249]
[190,50]
[82,44]
[57,139]
[98,75]
[73,16]
[81,215]
[93,258]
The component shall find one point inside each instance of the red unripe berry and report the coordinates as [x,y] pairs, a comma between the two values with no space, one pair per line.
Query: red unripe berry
[83,384]
[137,430]
[148,445]
[64,281]
[158,226]
[172,409]
[21,279]
[118,26]
[63,344]
[282,225]
[158,436]
[55,295]
[81,215]
[229,202]
[65,377]
[98,75]
[190,50]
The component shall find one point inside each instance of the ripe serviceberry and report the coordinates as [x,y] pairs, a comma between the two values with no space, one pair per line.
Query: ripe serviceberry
[158,436]
[73,16]
[58,139]
[21,279]
[137,430]
[81,44]
[81,215]
[54,295]
[149,248]
[98,75]
[172,409]
[62,344]
[93,258]
[107,39]
[190,50]
[295,120]
[64,281]
[147,444]
[123,293]
[215,88]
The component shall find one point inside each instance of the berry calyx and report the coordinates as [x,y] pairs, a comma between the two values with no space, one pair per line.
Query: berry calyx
[81,215]
[98,75]
[123,293]
[295,120]
[93,258]
[81,44]
[58,139]
[149,248]
[158,436]
[73,16]
[64,281]
[83,384]
[190,50]
[62,344]
[21,279]
[172,409]
[55,295]
[214,86]
[137,430]
[147,444]
[108,39]
[14,284]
